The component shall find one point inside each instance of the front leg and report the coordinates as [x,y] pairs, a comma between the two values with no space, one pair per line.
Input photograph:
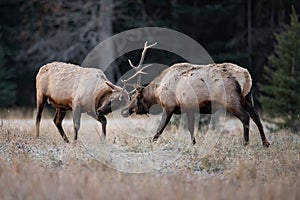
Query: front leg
[76,121]
[166,116]
[191,125]
[103,121]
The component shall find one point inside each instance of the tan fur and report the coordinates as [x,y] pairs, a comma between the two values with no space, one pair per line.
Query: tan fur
[248,84]
[241,75]
[190,89]
[67,85]
[71,87]
[188,84]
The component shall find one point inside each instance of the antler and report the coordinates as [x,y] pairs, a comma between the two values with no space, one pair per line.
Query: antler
[139,68]
[146,47]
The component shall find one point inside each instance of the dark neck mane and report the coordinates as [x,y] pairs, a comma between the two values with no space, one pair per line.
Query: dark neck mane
[149,94]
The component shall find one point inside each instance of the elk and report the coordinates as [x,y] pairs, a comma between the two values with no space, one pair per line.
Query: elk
[80,89]
[188,88]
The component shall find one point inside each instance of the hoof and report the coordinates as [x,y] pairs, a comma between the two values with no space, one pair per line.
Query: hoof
[194,141]
[66,140]
[266,144]
[246,143]
[103,137]
[154,138]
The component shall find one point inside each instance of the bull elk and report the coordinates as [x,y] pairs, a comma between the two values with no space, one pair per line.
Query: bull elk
[191,89]
[82,90]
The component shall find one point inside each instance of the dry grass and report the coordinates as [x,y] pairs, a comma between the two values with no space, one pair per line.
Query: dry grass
[47,168]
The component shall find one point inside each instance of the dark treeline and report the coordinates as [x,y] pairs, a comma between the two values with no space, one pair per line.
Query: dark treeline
[35,32]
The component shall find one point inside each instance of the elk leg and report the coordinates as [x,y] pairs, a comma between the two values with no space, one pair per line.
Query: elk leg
[191,125]
[244,117]
[40,106]
[59,116]
[76,121]
[166,116]
[103,122]
[254,115]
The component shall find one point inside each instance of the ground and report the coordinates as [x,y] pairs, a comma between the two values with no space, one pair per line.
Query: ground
[127,165]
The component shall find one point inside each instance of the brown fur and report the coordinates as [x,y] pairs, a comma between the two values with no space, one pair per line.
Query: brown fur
[188,88]
[82,90]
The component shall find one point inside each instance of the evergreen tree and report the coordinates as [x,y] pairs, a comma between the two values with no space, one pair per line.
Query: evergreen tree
[281,94]
[7,87]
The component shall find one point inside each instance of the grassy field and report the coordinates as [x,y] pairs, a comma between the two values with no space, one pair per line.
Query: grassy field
[128,166]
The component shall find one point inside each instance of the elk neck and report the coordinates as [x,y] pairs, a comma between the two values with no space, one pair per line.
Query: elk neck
[149,94]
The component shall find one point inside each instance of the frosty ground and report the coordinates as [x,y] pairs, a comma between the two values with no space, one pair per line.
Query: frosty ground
[127,165]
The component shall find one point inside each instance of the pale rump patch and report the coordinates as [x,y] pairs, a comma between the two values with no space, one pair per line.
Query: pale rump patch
[248,84]
[241,75]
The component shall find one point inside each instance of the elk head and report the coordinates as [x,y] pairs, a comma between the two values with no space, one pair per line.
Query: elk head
[113,100]
[137,104]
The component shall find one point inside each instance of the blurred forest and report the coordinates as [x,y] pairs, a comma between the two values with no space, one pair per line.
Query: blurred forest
[35,32]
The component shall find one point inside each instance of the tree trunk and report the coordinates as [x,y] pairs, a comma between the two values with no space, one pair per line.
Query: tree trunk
[105,28]
[249,34]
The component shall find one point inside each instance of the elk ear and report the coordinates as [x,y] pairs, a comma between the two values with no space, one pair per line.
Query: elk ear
[140,89]
[112,86]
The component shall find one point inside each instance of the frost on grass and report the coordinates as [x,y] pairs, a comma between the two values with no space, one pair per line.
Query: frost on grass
[94,168]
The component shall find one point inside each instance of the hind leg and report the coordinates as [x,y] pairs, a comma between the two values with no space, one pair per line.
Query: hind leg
[254,115]
[59,116]
[244,117]
[40,101]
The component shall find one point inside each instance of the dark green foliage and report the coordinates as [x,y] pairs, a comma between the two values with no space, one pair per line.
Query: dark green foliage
[7,87]
[281,94]
[37,32]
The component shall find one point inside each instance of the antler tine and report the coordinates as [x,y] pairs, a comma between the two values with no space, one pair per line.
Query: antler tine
[146,47]
[131,65]
[132,91]
[123,88]
[140,71]
[149,46]
[145,67]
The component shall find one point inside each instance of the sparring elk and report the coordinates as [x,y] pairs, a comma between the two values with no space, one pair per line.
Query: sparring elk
[82,90]
[191,89]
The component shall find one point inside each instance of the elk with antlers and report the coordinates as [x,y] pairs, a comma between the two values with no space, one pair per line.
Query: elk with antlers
[190,89]
[82,90]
